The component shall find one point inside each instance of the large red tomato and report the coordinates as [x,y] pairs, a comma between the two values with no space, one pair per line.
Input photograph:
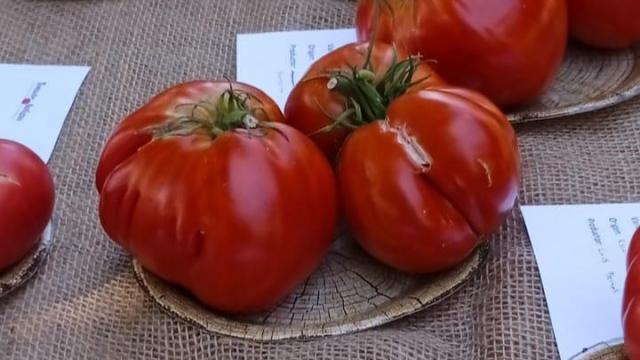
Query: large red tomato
[611,24]
[26,201]
[208,189]
[631,299]
[422,189]
[510,50]
[312,107]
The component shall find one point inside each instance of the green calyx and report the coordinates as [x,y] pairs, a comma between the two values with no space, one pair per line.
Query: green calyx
[368,98]
[232,111]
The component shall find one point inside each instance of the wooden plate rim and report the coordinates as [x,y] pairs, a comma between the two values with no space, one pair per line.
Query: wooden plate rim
[29,266]
[471,266]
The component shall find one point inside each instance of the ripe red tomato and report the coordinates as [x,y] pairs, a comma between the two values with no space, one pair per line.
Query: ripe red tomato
[610,24]
[423,188]
[311,106]
[208,189]
[509,50]
[631,299]
[26,201]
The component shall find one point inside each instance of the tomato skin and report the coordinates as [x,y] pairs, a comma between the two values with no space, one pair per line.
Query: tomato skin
[240,220]
[136,130]
[312,106]
[509,50]
[26,201]
[631,300]
[612,24]
[421,189]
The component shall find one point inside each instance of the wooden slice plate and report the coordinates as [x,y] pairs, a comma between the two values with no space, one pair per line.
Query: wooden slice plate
[589,80]
[350,292]
[611,350]
[21,273]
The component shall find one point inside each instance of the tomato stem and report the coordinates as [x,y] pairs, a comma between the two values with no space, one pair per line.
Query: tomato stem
[368,99]
[372,36]
[231,111]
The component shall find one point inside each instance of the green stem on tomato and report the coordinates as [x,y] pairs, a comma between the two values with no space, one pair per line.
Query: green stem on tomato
[368,99]
[231,111]
[372,37]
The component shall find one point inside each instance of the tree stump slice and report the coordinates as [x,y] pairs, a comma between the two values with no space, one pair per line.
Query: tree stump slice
[613,350]
[27,268]
[590,79]
[350,292]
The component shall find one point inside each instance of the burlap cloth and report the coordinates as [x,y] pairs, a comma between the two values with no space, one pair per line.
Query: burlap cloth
[85,302]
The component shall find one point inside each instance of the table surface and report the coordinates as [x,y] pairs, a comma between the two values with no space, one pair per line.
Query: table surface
[85,302]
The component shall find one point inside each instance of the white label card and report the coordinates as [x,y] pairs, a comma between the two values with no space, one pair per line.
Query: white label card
[581,253]
[275,62]
[34,102]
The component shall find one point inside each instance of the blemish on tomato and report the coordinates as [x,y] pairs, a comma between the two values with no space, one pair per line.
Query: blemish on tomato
[487,171]
[198,240]
[415,151]
[6,179]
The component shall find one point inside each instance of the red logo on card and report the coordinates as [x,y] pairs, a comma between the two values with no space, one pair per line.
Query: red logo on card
[28,101]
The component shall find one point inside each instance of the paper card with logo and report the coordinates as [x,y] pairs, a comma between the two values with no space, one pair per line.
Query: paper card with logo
[34,102]
[581,252]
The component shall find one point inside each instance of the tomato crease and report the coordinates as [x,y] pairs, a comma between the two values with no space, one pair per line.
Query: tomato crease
[435,186]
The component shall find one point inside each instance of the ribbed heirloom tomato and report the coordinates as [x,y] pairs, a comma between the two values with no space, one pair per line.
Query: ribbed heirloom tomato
[26,201]
[610,24]
[509,50]
[631,299]
[208,189]
[313,108]
[422,189]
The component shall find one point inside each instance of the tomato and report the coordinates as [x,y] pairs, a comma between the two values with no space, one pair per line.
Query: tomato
[210,190]
[312,107]
[26,201]
[422,189]
[610,24]
[509,50]
[631,299]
